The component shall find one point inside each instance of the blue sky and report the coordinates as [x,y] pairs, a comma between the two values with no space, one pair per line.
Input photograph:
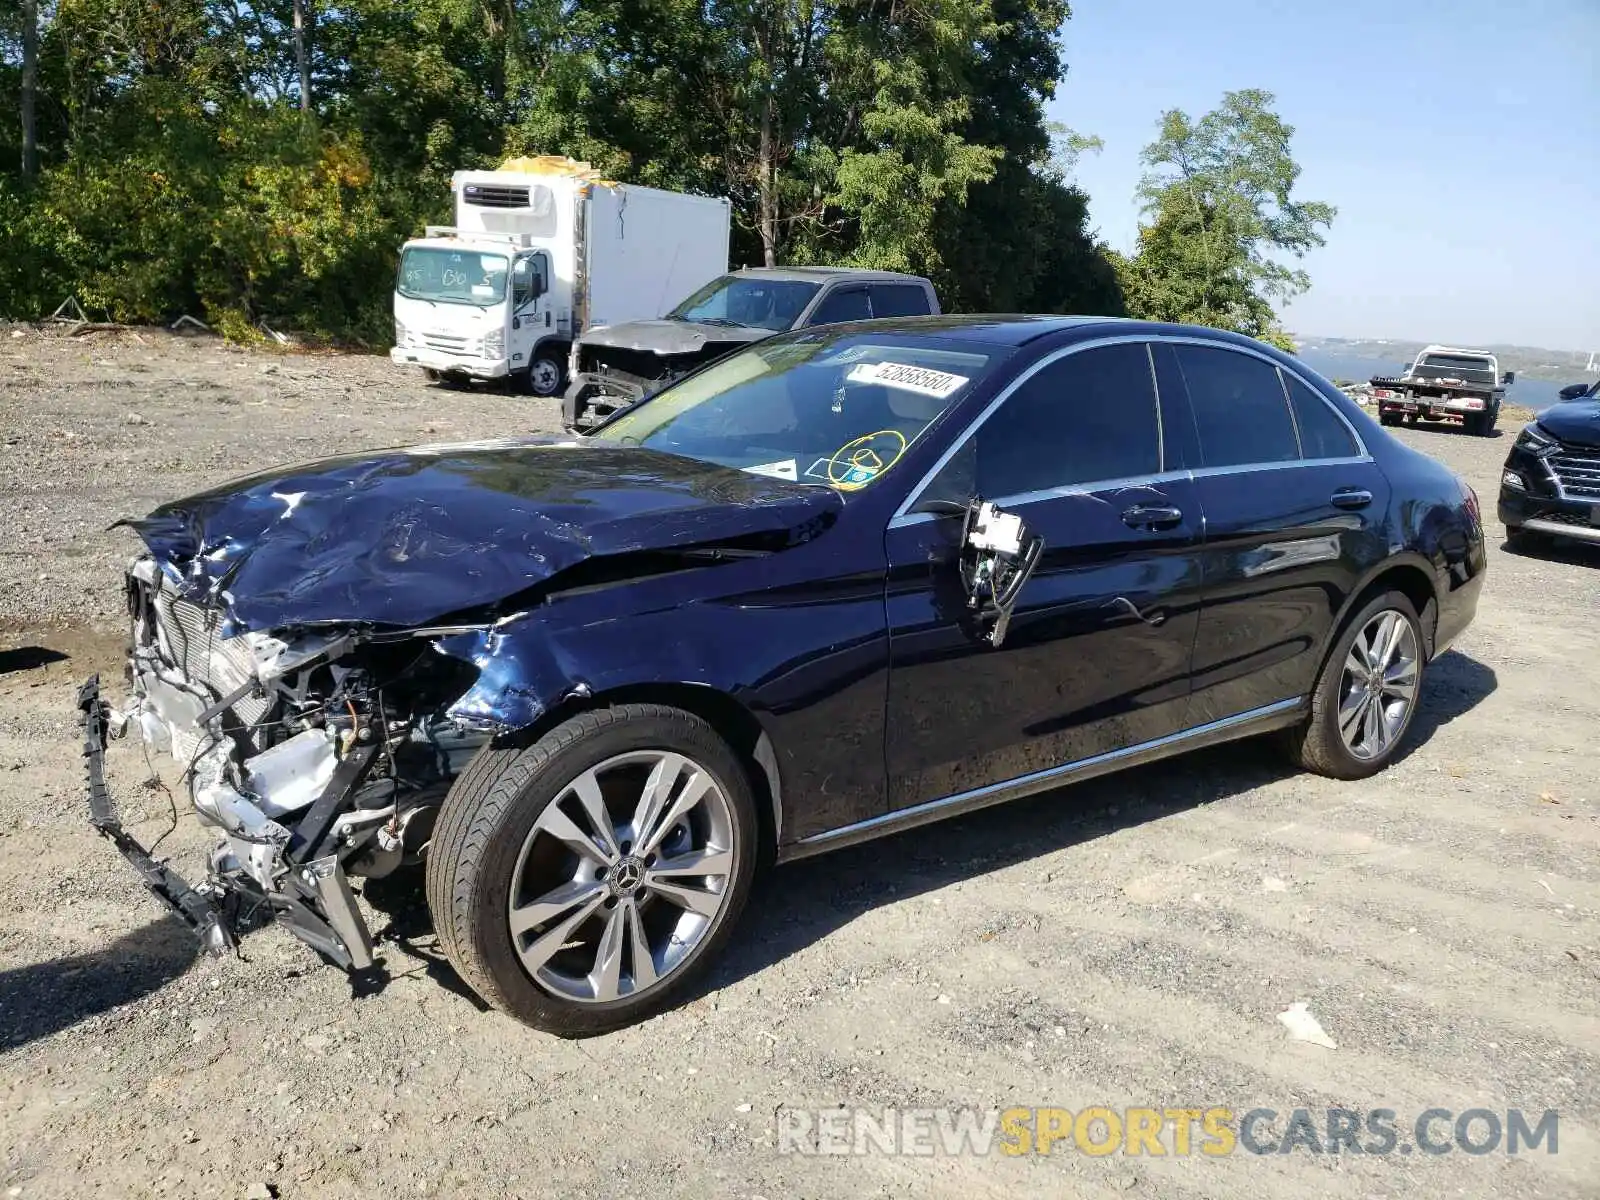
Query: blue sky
[1459,139]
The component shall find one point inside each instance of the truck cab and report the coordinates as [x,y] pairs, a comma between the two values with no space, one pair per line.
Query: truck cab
[540,250]
[1445,383]
[615,366]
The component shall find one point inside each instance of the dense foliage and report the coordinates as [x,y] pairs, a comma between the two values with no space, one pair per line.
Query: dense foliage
[262,161]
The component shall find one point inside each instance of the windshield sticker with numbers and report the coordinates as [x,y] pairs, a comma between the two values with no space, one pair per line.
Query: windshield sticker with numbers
[924,380]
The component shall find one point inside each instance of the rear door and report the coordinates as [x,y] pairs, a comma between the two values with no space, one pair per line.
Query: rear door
[900,300]
[1097,654]
[1292,517]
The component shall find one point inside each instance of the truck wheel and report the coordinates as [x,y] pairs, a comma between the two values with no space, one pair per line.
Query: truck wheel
[1388,418]
[586,880]
[545,375]
[1366,692]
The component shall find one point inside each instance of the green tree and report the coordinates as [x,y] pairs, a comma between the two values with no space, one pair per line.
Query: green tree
[1223,217]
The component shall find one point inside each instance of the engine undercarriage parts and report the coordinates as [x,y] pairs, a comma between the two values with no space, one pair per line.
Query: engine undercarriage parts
[316,758]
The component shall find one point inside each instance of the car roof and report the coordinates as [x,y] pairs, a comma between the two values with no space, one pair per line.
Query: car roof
[1018,329]
[822,274]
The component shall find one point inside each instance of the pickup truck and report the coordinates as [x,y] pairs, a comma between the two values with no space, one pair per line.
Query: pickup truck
[1445,383]
[615,366]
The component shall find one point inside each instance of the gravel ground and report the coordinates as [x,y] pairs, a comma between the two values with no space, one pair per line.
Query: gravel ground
[1126,942]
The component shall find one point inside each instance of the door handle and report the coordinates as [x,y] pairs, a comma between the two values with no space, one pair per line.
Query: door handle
[1152,516]
[1352,498]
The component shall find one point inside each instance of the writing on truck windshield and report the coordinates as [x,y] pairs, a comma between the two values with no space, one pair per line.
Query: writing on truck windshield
[452,276]
[1465,367]
[834,410]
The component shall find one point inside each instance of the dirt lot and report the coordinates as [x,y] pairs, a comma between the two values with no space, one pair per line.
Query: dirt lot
[1127,942]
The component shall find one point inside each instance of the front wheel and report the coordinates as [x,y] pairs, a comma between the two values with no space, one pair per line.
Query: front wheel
[545,376]
[1366,693]
[583,882]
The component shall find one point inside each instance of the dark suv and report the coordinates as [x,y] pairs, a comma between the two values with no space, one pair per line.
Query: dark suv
[1550,486]
[841,583]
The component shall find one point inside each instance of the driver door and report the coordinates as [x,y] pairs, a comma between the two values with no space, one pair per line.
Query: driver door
[531,318]
[1097,655]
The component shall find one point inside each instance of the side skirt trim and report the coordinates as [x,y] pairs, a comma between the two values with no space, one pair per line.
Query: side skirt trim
[1246,724]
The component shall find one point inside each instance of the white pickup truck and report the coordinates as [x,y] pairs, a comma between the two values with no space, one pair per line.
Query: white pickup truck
[1445,383]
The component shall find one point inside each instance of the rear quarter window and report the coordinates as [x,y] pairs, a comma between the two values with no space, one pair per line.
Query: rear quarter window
[1322,433]
[899,300]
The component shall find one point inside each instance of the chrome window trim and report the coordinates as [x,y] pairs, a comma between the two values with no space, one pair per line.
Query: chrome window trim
[904,516]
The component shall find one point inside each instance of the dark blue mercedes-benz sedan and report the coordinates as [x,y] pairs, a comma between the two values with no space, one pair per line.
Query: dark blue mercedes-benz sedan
[844,582]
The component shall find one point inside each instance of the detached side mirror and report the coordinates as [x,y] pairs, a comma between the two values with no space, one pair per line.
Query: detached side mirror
[1511,377]
[998,555]
[1573,391]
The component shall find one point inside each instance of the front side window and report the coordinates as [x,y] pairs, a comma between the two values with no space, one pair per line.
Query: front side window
[1322,433]
[452,276]
[1240,410]
[832,409]
[774,304]
[1083,418]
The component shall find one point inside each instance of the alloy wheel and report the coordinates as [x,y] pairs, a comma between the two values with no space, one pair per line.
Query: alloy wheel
[1378,686]
[623,874]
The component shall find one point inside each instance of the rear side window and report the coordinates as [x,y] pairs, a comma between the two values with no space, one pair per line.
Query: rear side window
[1239,407]
[1085,417]
[899,300]
[849,304]
[1322,433]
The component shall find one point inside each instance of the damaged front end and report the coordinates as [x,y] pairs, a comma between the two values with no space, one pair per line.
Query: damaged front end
[317,757]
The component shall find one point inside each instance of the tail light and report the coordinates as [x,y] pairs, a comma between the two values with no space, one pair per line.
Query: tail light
[1470,499]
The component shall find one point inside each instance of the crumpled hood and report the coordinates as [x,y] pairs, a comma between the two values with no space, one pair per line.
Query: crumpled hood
[1576,423]
[671,337]
[404,537]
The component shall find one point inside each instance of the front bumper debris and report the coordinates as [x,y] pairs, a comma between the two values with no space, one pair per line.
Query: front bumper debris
[192,907]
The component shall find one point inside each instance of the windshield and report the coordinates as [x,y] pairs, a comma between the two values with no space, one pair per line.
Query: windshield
[835,410]
[452,276]
[1455,366]
[774,304]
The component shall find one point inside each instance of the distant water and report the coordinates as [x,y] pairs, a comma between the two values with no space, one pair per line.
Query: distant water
[1537,394]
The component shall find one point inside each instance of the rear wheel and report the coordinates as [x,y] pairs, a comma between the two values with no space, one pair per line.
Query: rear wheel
[1366,693]
[586,880]
[1388,418]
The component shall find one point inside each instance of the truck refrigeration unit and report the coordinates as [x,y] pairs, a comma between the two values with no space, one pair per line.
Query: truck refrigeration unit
[540,251]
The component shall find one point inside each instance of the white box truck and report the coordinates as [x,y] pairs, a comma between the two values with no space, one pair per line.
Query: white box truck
[540,251]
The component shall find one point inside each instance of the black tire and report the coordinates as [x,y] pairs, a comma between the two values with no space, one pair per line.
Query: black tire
[1316,745]
[490,812]
[1388,418]
[546,376]
[430,375]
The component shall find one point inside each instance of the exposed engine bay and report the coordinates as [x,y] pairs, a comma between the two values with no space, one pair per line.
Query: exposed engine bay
[317,759]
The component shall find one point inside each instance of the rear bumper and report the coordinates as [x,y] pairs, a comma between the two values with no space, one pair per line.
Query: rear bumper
[1457,405]
[449,364]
